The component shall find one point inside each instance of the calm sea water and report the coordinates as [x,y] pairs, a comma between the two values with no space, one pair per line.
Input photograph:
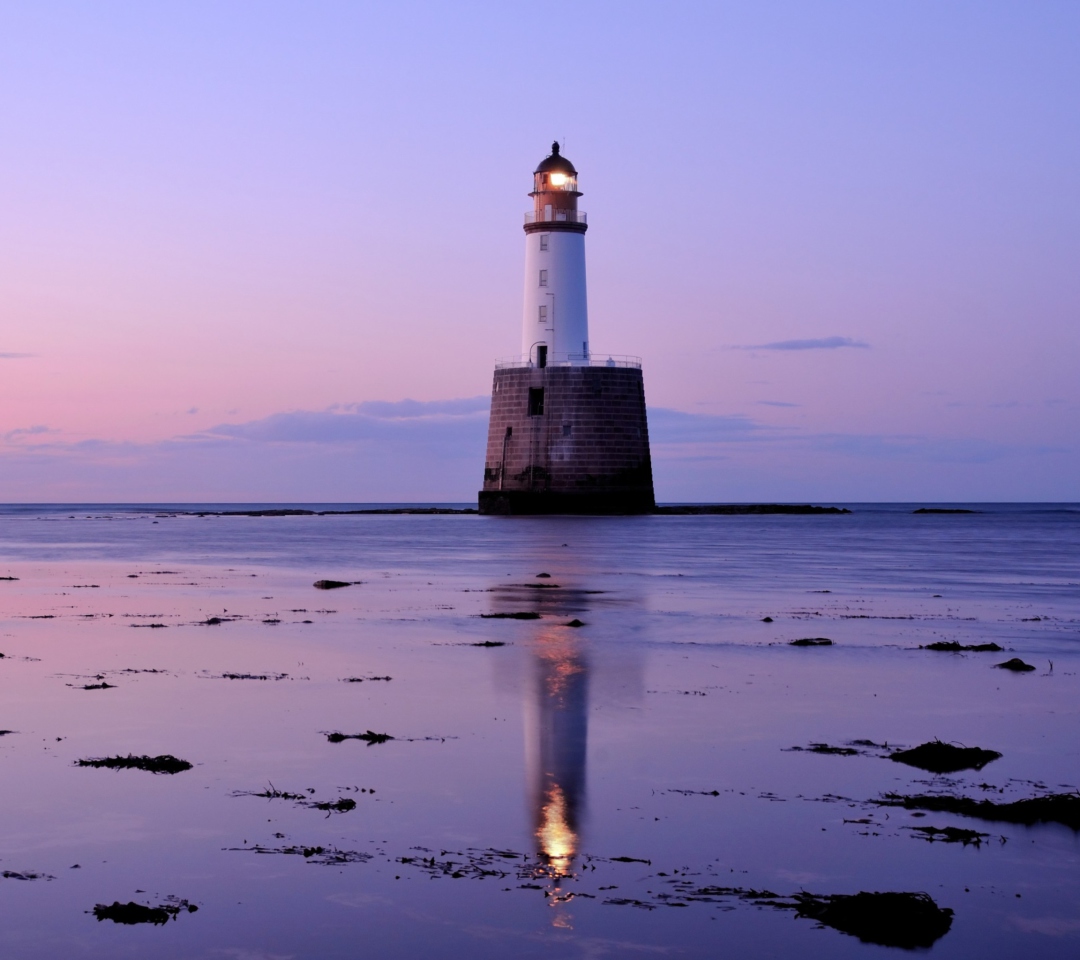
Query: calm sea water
[550,790]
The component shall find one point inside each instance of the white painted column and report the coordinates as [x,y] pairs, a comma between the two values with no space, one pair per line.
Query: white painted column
[556,311]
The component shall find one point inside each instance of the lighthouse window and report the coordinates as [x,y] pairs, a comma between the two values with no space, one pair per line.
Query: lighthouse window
[543,241]
[543,314]
[543,278]
[567,429]
[536,401]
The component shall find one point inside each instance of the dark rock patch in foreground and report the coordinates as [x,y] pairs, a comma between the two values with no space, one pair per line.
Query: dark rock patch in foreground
[826,749]
[521,615]
[1063,808]
[1016,665]
[331,584]
[166,763]
[26,875]
[370,737]
[911,921]
[952,646]
[326,856]
[132,913]
[811,642]
[950,835]
[938,757]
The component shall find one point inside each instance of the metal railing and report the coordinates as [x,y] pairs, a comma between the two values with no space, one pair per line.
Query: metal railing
[595,359]
[557,216]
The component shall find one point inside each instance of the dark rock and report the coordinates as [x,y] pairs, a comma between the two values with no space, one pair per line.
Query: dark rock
[950,835]
[522,615]
[1016,665]
[952,646]
[330,584]
[911,921]
[938,757]
[370,737]
[132,913]
[826,749]
[575,623]
[1063,808]
[166,763]
[811,642]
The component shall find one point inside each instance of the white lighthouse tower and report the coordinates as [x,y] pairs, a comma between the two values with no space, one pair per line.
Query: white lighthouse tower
[555,324]
[567,434]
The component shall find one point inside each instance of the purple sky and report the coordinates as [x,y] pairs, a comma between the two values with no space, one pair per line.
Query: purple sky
[843,236]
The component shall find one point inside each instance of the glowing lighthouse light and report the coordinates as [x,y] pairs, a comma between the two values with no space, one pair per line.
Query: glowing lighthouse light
[567,434]
[555,324]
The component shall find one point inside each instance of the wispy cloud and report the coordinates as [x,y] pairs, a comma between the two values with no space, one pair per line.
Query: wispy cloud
[438,422]
[16,356]
[674,426]
[433,451]
[777,403]
[819,343]
[15,436]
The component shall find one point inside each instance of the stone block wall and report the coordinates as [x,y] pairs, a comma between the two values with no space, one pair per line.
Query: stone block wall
[586,452]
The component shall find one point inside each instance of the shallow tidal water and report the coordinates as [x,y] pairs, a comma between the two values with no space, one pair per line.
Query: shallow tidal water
[549,791]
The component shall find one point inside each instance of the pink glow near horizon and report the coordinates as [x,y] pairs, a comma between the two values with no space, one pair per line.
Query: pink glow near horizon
[857,243]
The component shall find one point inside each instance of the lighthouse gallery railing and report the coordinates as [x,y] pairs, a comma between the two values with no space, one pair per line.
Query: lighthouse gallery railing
[574,360]
[557,216]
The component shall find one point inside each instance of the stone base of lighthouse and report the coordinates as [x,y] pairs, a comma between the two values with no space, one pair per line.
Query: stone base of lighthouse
[568,439]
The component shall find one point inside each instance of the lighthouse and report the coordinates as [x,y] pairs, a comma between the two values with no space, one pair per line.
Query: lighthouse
[568,431]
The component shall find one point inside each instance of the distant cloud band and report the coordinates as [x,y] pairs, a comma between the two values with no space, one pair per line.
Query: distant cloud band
[821,343]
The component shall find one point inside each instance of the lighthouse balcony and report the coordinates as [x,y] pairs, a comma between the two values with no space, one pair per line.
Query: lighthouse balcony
[551,215]
[595,359]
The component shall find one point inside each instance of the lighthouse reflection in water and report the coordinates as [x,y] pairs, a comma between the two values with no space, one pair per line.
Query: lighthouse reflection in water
[556,740]
[565,672]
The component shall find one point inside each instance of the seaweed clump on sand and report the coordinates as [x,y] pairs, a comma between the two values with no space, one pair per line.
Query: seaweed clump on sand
[166,763]
[938,757]
[1016,665]
[910,921]
[132,913]
[488,643]
[811,642]
[331,584]
[953,646]
[522,615]
[950,835]
[827,749]
[99,686]
[1063,808]
[370,737]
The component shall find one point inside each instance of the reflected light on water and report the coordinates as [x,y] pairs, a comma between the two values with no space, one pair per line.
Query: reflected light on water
[558,840]
[557,710]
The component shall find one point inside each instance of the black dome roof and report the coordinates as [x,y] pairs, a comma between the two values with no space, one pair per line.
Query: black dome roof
[556,163]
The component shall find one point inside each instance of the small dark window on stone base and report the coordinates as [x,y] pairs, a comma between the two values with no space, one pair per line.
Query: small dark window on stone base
[536,401]
[566,429]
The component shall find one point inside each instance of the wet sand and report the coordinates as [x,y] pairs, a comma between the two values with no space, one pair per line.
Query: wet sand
[522,787]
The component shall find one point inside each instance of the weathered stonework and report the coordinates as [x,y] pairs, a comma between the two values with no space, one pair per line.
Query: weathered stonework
[586,452]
